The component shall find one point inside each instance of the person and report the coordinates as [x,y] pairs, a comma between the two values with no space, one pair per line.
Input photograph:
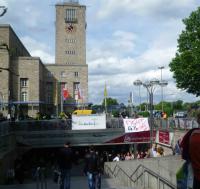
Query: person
[160,152]
[153,151]
[177,149]
[8,117]
[100,169]
[65,164]
[92,169]
[190,151]
[194,151]
[117,157]
[128,156]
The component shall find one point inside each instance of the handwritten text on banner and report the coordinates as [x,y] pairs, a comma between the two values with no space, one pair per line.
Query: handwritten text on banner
[136,125]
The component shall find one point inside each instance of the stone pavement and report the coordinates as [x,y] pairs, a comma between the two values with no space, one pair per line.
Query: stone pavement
[77,182]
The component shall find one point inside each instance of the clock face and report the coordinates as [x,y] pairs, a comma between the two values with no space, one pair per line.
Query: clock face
[70,28]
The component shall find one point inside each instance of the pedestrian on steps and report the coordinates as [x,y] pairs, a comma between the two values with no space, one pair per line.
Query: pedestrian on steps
[93,169]
[65,164]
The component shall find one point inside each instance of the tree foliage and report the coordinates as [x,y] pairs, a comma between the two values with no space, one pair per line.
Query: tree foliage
[186,64]
[110,101]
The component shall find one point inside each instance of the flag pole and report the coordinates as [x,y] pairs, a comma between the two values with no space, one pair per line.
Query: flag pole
[105,98]
[106,105]
[61,98]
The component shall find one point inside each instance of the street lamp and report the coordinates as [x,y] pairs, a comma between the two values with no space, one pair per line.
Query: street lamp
[3,10]
[162,84]
[138,83]
[151,86]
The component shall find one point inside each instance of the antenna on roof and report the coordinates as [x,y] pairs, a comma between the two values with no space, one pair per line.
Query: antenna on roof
[73,1]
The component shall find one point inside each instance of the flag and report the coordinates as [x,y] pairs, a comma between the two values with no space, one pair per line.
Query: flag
[105,96]
[105,91]
[79,94]
[65,93]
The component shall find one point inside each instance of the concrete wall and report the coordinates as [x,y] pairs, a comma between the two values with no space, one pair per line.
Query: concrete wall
[166,167]
[7,149]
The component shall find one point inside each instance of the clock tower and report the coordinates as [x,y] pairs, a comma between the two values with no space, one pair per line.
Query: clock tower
[70,33]
[70,70]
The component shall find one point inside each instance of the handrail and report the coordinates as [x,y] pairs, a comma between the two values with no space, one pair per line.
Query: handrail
[118,172]
[145,169]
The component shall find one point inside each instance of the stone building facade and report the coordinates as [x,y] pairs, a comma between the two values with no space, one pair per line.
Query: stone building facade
[28,85]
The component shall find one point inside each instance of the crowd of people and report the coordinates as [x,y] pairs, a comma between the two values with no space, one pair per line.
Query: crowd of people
[63,159]
[141,154]
[94,163]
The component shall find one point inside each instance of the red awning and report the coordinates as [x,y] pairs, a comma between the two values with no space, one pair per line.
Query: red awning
[139,137]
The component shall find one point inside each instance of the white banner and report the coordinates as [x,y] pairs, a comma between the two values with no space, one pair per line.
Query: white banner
[136,125]
[85,122]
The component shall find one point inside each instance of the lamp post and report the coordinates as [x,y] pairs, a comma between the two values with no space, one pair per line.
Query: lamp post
[151,86]
[138,83]
[3,10]
[162,84]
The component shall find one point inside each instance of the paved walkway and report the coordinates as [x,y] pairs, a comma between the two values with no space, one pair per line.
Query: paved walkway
[78,182]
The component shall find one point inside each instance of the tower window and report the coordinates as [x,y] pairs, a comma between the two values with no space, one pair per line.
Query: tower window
[76,74]
[24,82]
[71,16]
[70,52]
[70,40]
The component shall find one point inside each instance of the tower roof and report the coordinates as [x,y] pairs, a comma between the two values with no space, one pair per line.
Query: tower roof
[69,2]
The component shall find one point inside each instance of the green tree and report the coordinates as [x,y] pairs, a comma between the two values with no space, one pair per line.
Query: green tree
[110,101]
[178,105]
[167,107]
[186,64]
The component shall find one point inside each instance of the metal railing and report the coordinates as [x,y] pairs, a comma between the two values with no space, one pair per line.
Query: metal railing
[41,182]
[44,125]
[140,177]
[111,123]
[176,123]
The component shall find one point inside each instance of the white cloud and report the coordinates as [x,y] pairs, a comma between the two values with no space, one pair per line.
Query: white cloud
[144,7]
[46,58]
[38,49]
[26,13]
[126,40]
[120,72]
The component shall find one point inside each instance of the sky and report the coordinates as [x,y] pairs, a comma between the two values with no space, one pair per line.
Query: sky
[126,41]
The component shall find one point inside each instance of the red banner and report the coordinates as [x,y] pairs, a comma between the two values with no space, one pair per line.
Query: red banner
[143,137]
[164,137]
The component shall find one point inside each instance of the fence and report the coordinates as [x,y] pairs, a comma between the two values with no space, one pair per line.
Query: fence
[37,125]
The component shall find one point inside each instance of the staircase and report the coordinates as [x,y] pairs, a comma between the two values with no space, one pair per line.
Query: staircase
[76,183]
